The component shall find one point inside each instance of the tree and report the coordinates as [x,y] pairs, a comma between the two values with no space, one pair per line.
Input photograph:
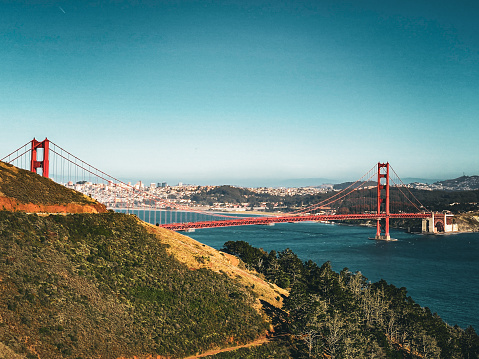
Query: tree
[427,347]
[291,265]
[334,330]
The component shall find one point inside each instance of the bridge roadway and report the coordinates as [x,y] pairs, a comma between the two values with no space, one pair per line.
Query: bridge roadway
[285,219]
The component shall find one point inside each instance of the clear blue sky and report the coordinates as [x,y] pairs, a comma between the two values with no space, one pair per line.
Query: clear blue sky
[226,91]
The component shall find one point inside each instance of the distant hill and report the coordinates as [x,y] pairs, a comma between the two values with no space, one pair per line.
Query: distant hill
[463,183]
[341,186]
[407,180]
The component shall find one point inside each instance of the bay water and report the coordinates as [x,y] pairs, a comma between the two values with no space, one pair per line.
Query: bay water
[439,271]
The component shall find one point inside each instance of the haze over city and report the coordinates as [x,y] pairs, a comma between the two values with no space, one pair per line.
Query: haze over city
[245,92]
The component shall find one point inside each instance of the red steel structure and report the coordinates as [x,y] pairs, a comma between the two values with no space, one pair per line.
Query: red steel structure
[44,164]
[383,197]
[286,219]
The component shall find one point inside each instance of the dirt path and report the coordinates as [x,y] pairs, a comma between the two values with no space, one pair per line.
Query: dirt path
[213,352]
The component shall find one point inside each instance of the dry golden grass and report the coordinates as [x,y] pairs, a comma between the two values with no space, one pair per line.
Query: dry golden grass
[196,255]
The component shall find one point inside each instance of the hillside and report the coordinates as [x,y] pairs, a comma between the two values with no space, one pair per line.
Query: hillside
[106,285]
[22,190]
[463,183]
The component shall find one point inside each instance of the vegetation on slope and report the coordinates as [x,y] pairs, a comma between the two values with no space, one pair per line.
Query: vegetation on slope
[277,349]
[230,194]
[455,201]
[29,188]
[196,255]
[100,285]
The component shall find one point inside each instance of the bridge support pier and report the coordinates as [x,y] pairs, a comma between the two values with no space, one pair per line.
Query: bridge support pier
[379,235]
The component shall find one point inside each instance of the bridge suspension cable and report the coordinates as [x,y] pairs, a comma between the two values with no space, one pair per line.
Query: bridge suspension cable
[341,194]
[26,148]
[137,193]
[421,207]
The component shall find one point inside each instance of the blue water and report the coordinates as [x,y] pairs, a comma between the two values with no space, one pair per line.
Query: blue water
[439,272]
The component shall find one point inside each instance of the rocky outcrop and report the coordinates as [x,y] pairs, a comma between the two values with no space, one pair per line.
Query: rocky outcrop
[467,222]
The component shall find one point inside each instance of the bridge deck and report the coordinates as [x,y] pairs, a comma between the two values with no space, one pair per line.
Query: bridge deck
[285,219]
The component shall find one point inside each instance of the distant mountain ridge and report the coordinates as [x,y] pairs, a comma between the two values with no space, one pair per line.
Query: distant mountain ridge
[463,183]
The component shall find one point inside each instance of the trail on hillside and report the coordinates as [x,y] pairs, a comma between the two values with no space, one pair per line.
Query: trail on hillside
[257,342]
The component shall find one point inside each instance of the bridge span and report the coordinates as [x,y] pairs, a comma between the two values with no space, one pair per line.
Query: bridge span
[286,219]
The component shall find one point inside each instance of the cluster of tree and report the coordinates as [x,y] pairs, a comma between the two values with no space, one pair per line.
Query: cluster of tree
[342,315]
[230,194]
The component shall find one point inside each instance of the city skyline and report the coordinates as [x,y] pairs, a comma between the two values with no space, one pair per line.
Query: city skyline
[243,91]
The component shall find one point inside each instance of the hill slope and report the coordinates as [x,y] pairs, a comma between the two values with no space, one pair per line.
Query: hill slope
[101,285]
[22,190]
[463,183]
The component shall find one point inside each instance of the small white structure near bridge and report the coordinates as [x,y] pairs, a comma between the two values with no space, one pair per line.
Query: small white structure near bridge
[439,223]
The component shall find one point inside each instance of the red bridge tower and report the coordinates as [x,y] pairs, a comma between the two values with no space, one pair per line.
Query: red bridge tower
[383,197]
[44,164]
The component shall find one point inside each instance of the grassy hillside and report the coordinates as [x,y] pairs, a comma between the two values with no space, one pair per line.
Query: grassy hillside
[25,187]
[101,285]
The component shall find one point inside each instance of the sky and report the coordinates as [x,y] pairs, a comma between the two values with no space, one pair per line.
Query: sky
[237,92]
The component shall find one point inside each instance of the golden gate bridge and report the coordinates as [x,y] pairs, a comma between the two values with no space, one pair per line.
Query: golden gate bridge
[389,198]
